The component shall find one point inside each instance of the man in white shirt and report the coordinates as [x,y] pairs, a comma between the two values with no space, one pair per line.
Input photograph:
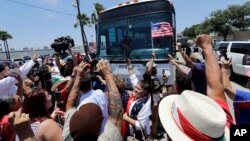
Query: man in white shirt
[91,120]
[8,84]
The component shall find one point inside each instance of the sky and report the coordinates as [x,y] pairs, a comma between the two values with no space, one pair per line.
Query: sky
[36,27]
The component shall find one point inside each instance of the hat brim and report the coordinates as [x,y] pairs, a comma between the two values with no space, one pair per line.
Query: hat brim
[165,114]
[53,88]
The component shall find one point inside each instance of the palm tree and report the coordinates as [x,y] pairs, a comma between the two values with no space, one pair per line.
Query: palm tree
[99,8]
[82,18]
[4,36]
[94,16]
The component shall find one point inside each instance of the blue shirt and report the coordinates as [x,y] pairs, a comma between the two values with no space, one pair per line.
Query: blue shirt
[242,107]
[198,77]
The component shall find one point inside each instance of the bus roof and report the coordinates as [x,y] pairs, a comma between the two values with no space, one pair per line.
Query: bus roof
[131,3]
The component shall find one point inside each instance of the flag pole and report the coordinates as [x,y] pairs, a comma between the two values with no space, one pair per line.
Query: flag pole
[152,42]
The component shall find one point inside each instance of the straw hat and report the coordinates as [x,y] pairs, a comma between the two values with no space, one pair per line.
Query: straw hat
[199,111]
[56,85]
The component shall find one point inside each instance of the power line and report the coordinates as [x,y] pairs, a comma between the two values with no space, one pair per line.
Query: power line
[42,8]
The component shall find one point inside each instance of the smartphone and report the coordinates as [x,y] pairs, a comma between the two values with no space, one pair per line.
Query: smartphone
[58,96]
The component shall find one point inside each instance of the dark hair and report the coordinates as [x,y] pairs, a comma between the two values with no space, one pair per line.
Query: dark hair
[86,82]
[145,85]
[69,60]
[34,104]
[2,66]
[5,106]
[183,82]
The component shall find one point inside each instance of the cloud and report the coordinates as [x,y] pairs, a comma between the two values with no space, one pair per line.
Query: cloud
[51,1]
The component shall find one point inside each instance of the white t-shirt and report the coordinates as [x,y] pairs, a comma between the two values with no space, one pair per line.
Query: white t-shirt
[99,98]
[7,85]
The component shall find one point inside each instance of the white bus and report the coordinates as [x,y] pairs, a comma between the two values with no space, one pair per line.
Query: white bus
[134,30]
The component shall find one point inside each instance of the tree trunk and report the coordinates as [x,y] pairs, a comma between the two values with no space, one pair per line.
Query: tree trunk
[225,37]
[85,41]
[8,51]
[95,29]
[4,43]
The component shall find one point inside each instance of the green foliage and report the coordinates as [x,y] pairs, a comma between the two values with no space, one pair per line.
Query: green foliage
[222,21]
[5,36]
[98,7]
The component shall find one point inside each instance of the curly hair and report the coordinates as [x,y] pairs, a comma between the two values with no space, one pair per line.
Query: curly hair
[34,104]
[119,81]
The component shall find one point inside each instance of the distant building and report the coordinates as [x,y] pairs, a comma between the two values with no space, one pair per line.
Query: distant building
[1,49]
[25,48]
[45,47]
[12,49]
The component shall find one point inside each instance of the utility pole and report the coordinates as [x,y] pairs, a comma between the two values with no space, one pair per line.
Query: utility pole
[84,39]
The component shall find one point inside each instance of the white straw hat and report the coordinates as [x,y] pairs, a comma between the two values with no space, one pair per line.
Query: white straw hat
[201,112]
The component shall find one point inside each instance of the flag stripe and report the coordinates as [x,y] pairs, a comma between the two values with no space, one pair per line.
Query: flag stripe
[161,29]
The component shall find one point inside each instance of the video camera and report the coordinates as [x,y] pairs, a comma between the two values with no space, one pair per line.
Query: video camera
[62,44]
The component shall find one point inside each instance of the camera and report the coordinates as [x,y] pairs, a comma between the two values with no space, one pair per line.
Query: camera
[62,44]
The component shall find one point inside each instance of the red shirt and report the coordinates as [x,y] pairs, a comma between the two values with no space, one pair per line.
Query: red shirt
[6,132]
[226,109]
[64,95]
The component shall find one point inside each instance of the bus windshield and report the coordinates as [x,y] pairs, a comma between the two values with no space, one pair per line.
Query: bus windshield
[131,37]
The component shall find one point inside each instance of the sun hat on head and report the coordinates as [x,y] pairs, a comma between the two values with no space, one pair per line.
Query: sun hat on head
[85,123]
[58,84]
[193,116]
[148,63]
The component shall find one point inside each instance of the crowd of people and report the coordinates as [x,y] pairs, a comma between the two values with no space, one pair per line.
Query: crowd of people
[75,100]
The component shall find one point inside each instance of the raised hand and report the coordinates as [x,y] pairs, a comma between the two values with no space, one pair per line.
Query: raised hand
[103,67]
[226,64]
[153,55]
[19,121]
[34,57]
[128,61]
[82,68]
[204,41]
[172,60]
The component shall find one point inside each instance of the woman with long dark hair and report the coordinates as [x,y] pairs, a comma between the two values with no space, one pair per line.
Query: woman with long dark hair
[37,105]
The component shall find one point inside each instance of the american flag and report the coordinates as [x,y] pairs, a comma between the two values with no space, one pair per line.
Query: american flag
[161,29]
